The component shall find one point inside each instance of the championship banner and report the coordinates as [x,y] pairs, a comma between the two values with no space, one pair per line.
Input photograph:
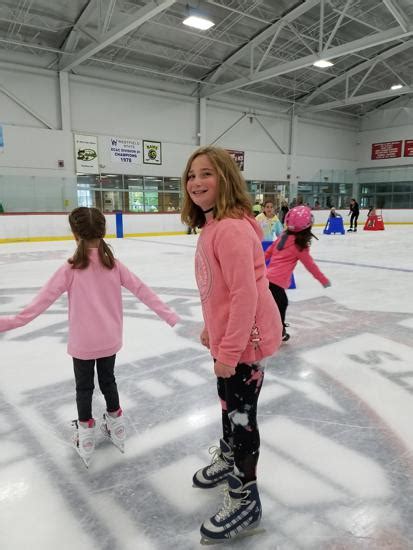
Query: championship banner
[86,154]
[408,148]
[386,150]
[125,150]
[152,152]
[238,156]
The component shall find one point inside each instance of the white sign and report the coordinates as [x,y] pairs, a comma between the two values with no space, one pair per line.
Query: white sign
[86,154]
[125,150]
[152,152]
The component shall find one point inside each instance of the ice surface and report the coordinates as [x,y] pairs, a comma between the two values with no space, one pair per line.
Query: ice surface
[335,412]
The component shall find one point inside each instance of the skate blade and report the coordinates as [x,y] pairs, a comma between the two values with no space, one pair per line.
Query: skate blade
[120,446]
[205,541]
[86,461]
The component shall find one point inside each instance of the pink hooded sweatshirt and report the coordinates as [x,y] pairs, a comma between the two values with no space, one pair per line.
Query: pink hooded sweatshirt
[283,262]
[95,306]
[241,317]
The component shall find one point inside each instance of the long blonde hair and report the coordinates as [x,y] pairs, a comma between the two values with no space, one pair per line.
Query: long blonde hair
[88,224]
[233,200]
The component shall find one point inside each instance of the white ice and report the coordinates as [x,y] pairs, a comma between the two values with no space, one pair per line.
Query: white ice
[335,411]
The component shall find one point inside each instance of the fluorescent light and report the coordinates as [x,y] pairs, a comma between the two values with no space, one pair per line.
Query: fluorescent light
[396,87]
[323,63]
[197,22]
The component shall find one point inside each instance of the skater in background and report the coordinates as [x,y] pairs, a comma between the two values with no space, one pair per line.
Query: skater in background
[93,280]
[333,213]
[283,211]
[269,222]
[354,213]
[282,256]
[242,328]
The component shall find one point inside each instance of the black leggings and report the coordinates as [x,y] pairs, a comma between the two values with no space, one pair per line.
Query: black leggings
[84,376]
[353,218]
[280,297]
[239,397]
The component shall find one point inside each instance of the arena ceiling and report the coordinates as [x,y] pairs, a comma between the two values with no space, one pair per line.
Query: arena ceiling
[257,49]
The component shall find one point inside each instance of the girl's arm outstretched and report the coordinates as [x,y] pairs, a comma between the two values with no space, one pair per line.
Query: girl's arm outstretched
[49,293]
[138,288]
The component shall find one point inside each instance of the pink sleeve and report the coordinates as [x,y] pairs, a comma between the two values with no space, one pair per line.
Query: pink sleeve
[55,287]
[307,260]
[130,281]
[235,252]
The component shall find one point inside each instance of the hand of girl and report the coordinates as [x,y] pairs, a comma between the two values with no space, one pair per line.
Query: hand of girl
[204,337]
[223,371]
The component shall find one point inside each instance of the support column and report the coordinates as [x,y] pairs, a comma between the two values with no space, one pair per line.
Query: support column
[65,101]
[291,158]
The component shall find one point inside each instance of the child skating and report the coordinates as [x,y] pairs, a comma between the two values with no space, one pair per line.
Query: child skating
[269,222]
[242,328]
[93,280]
[282,257]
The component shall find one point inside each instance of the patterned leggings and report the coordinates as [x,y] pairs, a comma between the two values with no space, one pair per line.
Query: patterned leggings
[239,396]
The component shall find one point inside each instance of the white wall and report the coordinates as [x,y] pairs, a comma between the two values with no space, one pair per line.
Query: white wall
[391,124]
[104,109]
[15,227]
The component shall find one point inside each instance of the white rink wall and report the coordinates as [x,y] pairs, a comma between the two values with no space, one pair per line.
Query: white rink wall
[27,227]
[14,227]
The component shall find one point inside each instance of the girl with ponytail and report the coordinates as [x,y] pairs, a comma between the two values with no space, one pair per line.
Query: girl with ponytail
[93,280]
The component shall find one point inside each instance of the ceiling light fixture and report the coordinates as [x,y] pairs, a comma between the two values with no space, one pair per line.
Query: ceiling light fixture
[323,63]
[198,22]
[396,86]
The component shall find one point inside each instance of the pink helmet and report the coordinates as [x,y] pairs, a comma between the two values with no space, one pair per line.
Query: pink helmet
[298,219]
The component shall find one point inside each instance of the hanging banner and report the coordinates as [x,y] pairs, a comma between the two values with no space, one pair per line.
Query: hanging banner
[125,150]
[408,148]
[152,152]
[238,156]
[1,140]
[86,154]
[386,150]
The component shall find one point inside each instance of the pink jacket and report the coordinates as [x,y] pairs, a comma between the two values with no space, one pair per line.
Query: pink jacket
[241,317]
[95,306]
[283,262]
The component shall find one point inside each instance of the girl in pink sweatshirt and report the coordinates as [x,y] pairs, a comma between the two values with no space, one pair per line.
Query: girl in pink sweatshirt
[242,327]
[282,257]
[93,280]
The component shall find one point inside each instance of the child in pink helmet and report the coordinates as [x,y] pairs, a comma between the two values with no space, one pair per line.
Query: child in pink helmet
[282,257]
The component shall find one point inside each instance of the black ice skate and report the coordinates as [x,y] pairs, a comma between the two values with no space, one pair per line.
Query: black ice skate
[239,516]
[217,472]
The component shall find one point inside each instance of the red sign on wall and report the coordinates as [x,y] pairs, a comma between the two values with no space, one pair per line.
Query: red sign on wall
[408,148]
[386,150]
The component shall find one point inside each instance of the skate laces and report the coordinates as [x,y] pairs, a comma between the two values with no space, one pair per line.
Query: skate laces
[218,463]
[230,504]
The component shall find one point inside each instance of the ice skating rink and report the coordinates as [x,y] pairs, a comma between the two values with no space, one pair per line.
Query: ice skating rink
[335,412]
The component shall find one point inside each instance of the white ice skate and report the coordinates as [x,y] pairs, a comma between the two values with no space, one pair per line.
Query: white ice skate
[114,428]
[84,440]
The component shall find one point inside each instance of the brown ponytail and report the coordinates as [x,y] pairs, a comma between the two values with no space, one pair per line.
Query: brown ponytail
[88,224]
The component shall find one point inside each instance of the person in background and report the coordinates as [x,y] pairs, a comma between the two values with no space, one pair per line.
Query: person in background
[317,205]
[171,207]
[283,211]
[354,213]
[333,213]
[257,208]
[242,329]
[93,280]
[269,222]
[282,257]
